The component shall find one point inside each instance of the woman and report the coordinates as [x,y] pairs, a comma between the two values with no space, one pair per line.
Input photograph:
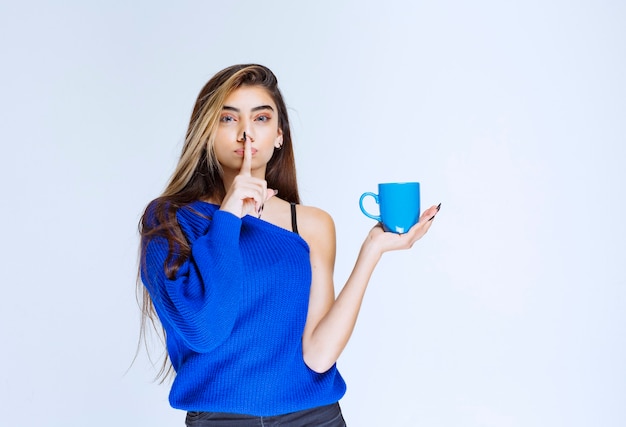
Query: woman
[241,275]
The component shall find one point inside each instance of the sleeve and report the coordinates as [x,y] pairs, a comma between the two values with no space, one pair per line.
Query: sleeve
[202,302]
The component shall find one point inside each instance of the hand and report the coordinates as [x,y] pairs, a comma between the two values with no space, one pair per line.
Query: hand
[382,241]
[247,195]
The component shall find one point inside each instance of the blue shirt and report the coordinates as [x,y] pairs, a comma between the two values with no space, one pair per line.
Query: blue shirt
[234,316]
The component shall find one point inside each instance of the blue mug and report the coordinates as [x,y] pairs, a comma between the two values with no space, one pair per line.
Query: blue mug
[399,204]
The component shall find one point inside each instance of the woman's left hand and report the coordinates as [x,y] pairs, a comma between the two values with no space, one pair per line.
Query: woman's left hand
[385,241]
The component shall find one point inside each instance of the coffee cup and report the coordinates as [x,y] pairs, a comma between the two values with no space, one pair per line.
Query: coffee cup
[399,205]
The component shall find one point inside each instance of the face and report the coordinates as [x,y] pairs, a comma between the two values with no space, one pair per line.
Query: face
[252,110]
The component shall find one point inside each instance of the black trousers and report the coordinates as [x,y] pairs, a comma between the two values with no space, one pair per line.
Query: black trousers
[323,416]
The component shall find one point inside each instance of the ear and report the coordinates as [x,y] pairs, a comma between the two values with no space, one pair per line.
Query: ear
[278,142]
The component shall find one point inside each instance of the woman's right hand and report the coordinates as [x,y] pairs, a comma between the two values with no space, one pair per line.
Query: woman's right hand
[247,195]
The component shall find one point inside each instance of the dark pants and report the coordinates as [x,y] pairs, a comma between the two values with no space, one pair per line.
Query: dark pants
[324,416]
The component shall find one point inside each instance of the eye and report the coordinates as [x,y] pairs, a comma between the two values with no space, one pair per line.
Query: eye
[264,118]
[227,118]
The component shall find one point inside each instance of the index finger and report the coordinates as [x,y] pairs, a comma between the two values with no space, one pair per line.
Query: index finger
[246,165]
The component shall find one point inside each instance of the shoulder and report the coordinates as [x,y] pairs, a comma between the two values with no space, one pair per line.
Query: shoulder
[167,219]
[314,217]
[316,226]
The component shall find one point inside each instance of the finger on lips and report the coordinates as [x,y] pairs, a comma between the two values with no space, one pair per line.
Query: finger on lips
[246,165]
[256,192]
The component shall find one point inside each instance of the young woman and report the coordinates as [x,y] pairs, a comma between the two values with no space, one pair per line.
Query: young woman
[240,274]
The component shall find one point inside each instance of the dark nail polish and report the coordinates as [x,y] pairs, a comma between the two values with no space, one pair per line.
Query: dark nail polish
[432,217]
[438,207]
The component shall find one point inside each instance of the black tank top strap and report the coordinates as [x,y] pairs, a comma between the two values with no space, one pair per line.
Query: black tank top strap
[294,222]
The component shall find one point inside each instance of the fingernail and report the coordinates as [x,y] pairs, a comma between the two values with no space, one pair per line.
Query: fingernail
[438,207]
[432,217]
[275,192]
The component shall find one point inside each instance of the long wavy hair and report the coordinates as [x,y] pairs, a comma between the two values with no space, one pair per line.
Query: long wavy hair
[198,175]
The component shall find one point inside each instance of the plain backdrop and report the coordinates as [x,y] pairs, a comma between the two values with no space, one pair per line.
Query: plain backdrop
[512,114]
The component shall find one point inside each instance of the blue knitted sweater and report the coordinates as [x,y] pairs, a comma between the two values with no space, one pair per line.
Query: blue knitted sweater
[234,316]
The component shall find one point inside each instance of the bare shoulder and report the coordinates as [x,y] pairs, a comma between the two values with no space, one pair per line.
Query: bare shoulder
[315,225]
[310,217]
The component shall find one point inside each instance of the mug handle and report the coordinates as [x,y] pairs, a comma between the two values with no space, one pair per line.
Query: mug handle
[366,213]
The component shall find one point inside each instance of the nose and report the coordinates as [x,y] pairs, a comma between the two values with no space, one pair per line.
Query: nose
[246,135]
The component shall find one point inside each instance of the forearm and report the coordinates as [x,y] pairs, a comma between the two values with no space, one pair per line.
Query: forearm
[327,341]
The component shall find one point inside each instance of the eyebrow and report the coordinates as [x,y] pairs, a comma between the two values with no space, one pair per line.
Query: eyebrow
[237,110]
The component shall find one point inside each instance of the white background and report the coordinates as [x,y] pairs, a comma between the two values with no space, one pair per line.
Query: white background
[510,312]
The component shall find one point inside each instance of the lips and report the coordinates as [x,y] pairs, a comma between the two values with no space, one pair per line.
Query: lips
[240,151]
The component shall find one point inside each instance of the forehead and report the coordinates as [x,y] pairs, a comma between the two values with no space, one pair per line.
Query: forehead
[249,97]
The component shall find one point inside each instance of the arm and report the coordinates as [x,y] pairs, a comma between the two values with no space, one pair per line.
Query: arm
[201,302]
[330,321]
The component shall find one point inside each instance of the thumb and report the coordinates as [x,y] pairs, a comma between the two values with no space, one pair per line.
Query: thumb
[270,193]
